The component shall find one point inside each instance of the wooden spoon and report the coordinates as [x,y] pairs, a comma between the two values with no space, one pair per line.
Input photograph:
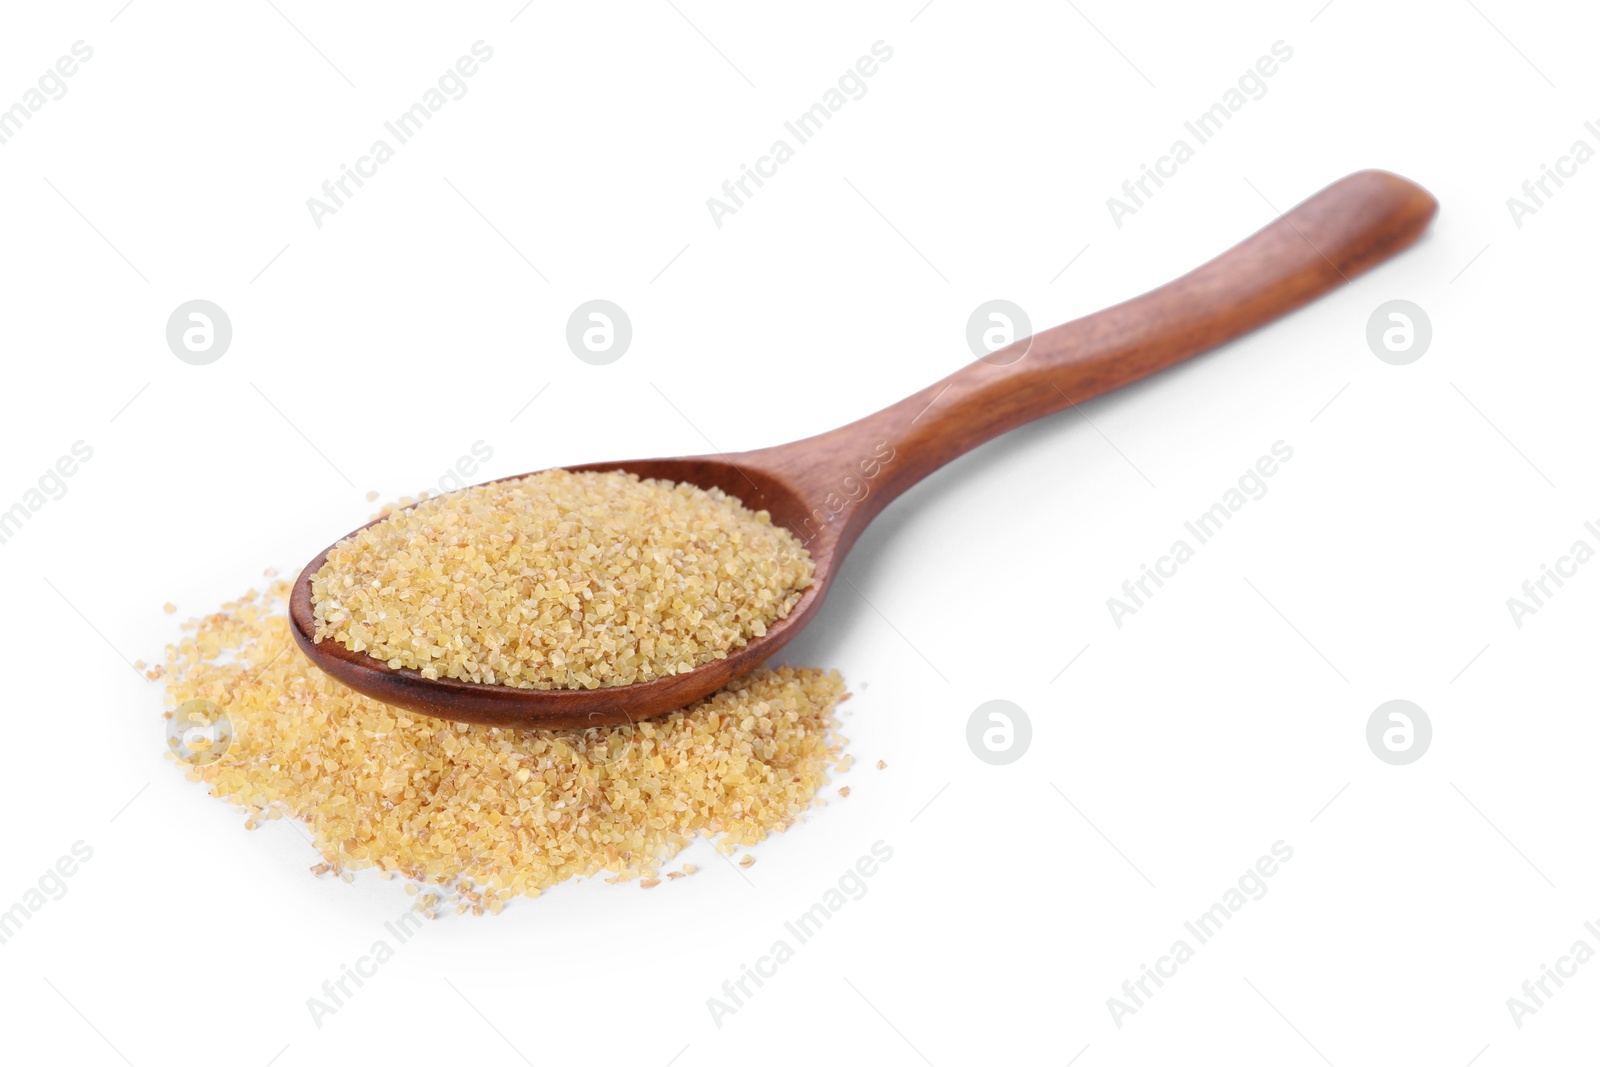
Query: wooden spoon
[827,488]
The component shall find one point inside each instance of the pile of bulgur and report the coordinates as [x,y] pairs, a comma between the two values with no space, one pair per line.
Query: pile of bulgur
[561,580]
[489,814]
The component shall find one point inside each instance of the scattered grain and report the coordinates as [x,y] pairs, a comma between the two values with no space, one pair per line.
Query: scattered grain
[746,860]
[882,765]
[449,805]
[170,608]
[844,790]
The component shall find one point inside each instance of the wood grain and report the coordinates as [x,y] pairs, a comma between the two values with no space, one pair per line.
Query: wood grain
[828,488]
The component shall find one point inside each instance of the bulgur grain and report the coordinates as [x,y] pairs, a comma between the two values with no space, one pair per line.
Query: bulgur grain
[170,608]
[447,805]
[560,580]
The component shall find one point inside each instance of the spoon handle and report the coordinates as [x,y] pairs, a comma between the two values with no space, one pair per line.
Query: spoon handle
[853,472]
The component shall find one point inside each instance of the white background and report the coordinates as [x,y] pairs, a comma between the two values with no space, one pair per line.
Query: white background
[1226,715]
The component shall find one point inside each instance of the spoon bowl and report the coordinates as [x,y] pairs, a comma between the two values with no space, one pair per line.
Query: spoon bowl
[825,489]
[563,709]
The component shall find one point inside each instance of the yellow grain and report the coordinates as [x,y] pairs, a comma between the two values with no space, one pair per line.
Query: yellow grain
[497,813]
[560,580]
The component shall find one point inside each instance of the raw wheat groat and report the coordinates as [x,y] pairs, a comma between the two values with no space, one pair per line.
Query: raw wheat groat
[485,813]
[560,580]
